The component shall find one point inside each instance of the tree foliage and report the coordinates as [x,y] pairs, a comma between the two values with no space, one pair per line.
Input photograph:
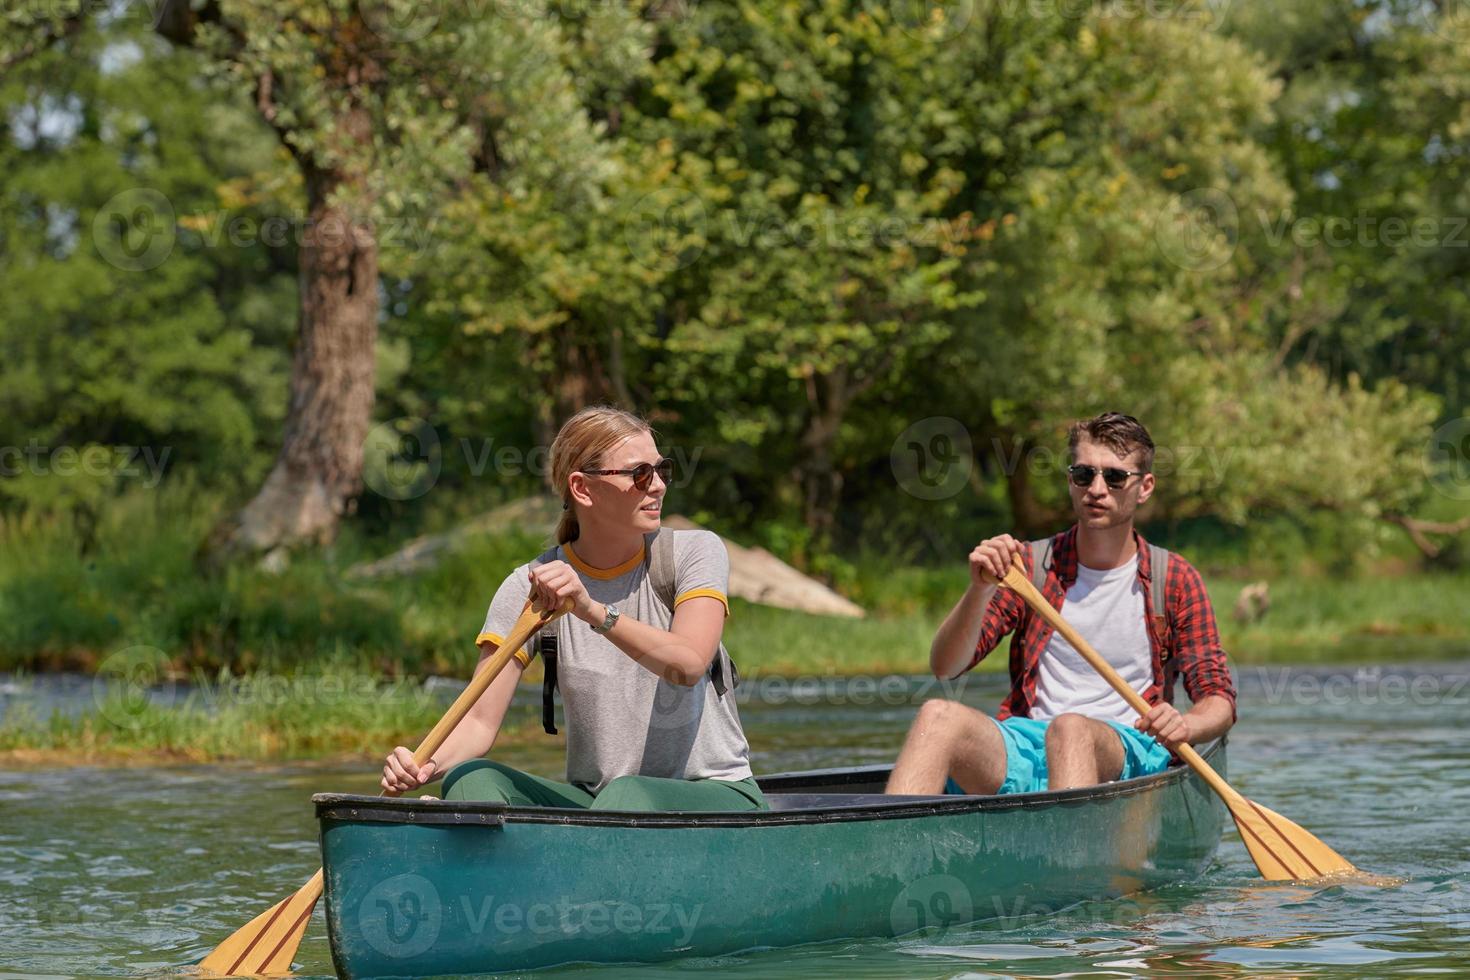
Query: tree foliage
[789,232]
[131,319]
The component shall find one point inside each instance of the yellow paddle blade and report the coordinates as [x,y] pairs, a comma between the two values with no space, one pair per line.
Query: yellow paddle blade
[267,943]
[1282,850]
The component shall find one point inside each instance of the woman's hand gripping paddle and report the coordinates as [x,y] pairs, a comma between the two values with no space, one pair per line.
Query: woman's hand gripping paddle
[267,943]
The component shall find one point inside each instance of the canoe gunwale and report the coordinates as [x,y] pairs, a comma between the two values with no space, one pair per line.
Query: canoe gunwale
[469,813]
[344,806]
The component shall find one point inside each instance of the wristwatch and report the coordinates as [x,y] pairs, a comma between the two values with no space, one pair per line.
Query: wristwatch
[610,621]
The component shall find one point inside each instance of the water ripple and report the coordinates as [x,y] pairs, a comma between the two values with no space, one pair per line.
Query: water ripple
[138,872]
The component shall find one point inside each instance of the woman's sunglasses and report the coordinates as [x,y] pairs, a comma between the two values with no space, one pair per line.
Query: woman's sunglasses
[1082,476]
[642,474]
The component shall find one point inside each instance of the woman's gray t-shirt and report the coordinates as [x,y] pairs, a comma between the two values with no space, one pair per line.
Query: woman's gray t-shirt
[623,719]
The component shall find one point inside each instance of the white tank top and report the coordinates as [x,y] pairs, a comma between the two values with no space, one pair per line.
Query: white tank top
[1106,607]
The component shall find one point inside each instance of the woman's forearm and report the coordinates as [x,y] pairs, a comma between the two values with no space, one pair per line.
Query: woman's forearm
[471,739]
[680,654]
[667,654]
[475,735]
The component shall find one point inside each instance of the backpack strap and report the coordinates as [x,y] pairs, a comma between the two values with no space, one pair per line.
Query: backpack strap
[1158,563]
[658,558]
[1040,561]
[658,552]
[544,645]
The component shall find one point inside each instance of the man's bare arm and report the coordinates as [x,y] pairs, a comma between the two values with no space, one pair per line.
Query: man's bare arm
[1208,719]
[954,642]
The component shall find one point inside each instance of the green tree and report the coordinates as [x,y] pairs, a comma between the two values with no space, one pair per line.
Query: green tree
[123,327]
[1373,133]
[385,107]
[809,230]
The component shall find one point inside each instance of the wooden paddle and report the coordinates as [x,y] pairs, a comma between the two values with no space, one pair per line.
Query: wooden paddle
[268,942]
[1282,850]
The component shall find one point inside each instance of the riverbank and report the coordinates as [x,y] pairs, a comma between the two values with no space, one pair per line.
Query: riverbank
[144,705]
[309,618]
[144,714]
[71,597]
[1312,619]
[305,663]
[130,719]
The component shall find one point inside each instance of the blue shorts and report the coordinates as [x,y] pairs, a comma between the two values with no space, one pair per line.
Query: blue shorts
[1025,740]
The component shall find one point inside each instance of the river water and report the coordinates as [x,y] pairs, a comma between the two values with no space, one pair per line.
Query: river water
[139,872]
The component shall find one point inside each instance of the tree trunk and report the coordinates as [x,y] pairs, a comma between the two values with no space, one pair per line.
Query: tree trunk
[575,380]
[579,378]
[318,473]
[319,470]
[1031,517]
[829,396]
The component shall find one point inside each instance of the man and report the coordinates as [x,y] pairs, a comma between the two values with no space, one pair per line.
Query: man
[1062,725]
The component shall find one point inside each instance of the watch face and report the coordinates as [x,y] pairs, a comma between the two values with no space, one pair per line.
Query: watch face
[608,620]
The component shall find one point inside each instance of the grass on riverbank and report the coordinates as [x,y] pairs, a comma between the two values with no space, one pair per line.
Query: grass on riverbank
[258,718]
[350,713]
[101,597]
[1311,620]
[72,596]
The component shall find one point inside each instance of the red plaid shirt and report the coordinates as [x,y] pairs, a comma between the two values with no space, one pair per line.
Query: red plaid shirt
[1185,641]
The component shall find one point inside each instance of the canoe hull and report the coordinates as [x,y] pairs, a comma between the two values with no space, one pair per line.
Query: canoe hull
[423,888]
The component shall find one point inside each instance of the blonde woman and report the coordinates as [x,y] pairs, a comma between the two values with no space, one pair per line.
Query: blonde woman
[646,727]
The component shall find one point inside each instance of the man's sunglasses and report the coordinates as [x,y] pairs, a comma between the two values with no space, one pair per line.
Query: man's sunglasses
[1082,476]
[642,474]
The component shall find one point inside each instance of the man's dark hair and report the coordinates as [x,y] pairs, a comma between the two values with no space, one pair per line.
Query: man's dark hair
[1123,434]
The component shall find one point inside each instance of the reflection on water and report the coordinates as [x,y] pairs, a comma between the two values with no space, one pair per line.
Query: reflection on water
[138,871]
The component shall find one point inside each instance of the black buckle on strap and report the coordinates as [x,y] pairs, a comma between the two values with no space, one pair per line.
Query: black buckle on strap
[546,646]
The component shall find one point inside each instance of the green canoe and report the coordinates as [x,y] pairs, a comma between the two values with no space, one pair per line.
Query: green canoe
[428,888]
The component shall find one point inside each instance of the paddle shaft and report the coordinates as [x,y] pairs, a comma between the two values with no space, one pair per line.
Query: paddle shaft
[268,943]
[529,622]
[1017,581]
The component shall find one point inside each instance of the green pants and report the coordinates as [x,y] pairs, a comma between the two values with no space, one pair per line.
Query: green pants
[482,779]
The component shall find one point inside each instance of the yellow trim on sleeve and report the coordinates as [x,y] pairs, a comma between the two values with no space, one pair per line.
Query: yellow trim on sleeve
[704,593]
[521,656]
